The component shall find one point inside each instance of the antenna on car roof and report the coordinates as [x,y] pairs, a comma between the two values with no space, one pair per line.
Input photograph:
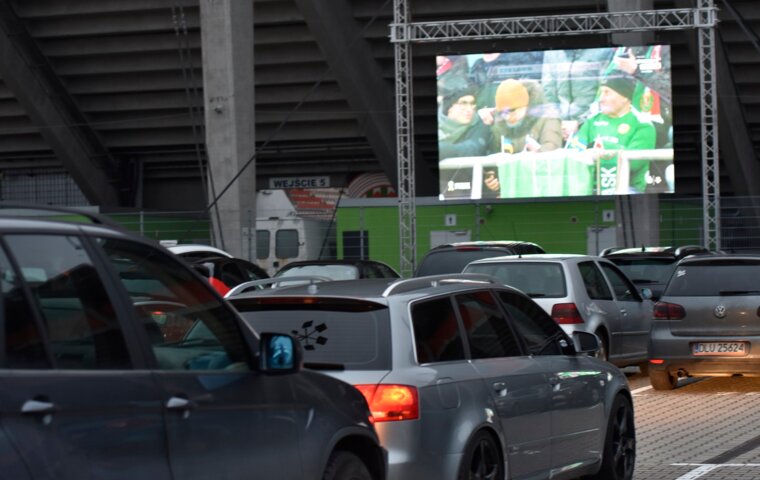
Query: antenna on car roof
[643,248]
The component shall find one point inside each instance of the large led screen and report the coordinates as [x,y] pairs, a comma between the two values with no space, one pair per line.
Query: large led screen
[557,123]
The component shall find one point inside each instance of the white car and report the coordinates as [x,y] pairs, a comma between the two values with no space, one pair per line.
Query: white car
[197,251]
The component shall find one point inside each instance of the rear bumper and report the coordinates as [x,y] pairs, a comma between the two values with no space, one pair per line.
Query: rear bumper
[676,355]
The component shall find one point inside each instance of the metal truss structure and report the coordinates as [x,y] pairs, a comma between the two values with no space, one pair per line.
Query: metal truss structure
[404,33]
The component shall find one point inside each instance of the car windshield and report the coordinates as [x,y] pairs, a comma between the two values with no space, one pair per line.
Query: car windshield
[716,279]
[536,279]
[334,272]
[349,335]
[646,270]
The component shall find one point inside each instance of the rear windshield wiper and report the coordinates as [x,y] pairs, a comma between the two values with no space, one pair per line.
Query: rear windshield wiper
[324,366]
[536,295]
[643,280]
[739,292]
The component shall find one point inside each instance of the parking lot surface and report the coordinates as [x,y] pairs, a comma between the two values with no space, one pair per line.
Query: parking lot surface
[704,429]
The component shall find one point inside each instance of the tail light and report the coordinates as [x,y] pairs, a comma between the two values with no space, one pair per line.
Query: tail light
[668,311]
[566,314]
[390,403]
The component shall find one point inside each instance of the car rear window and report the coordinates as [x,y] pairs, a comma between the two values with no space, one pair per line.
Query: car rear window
[710,279]
[646,270]
[535,279]
[453,261]
[334,334]
[335,272]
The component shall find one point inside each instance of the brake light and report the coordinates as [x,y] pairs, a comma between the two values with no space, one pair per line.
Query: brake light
[566,314]
[656,361]
[389,403]
[668,311]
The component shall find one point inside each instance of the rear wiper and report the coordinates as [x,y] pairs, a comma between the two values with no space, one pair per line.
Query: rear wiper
[739,292]
[324,366]
[642,280]
[536,295]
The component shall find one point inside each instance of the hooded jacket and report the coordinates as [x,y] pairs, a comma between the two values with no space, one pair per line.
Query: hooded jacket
[541,124]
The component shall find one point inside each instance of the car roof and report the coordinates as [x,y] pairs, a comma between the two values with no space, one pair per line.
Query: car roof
[486,243]
[534,257]
[380,290]
[655,252]
[718,258]
[332,262]
[194,247]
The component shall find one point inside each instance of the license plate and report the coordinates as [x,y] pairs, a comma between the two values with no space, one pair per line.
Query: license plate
[723,349]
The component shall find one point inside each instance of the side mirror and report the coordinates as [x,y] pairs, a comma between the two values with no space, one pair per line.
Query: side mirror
[585,343]
[646,293]
[279,353]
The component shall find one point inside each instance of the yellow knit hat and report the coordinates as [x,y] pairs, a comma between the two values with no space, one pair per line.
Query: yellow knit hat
[511,94]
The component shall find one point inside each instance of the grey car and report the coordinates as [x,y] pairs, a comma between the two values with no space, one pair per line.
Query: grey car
[466,378]
[119,361]
[582,293]
[707,321]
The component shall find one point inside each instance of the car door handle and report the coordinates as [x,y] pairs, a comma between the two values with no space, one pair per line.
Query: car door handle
[37,407]
[180,404]
[500,388]
[623,311]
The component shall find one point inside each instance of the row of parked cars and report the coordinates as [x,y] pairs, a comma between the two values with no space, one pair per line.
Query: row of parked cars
[120,359]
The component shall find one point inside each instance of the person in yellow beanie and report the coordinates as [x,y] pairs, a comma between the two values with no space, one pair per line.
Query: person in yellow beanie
[521,121]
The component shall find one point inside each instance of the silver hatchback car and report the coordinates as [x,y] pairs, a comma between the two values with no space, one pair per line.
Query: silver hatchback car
[465,378]
[707,322]
[582,293]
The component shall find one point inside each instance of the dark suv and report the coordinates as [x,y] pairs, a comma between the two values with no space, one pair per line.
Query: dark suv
[651,267]
[453,257]
[119,361]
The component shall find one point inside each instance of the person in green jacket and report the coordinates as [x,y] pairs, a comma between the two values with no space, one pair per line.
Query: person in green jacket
[461,133]
[617,126]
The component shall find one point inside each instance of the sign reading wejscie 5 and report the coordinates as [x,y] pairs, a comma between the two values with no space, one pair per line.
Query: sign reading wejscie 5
[299,182]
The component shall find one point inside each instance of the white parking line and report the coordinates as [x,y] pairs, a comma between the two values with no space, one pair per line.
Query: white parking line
[701,471]
[639,390]
[707,468]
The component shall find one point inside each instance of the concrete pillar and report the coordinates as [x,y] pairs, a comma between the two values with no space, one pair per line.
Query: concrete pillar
[227,46]
[638,215]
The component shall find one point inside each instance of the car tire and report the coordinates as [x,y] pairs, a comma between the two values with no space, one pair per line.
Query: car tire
[344,465]
[662,380]
[482,459]
[619,453]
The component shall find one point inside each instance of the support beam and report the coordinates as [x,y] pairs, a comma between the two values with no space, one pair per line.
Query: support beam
[44,97]
[352,62]
[228,79]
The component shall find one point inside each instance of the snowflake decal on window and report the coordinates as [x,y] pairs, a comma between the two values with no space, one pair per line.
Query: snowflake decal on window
[309,335]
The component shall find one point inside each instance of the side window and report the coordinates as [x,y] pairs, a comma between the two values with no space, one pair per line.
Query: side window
[596,286]
[488,332]
[262,244]
[623,288]
[77,313]
[231,274]
[188,327]
[540,332]
[252,272]
[437,337]
[286,244]
[23,342]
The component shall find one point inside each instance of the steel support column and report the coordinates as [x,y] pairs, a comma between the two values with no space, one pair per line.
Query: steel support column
[404,138]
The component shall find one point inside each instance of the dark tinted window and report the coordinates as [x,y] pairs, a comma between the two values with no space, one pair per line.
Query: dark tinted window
[488,332]
[231,274]
[646,270]
[188,327]
[286,244]
[539,279]
[454,261]
[262,244]
[78,315]
[623,288]
[727,277]
[437,336]
[594,281]
[354,335]
[540,332]
[23,343]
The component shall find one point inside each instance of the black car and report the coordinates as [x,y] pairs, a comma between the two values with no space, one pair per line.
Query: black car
[453,257]
[651,267]
[119,361]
